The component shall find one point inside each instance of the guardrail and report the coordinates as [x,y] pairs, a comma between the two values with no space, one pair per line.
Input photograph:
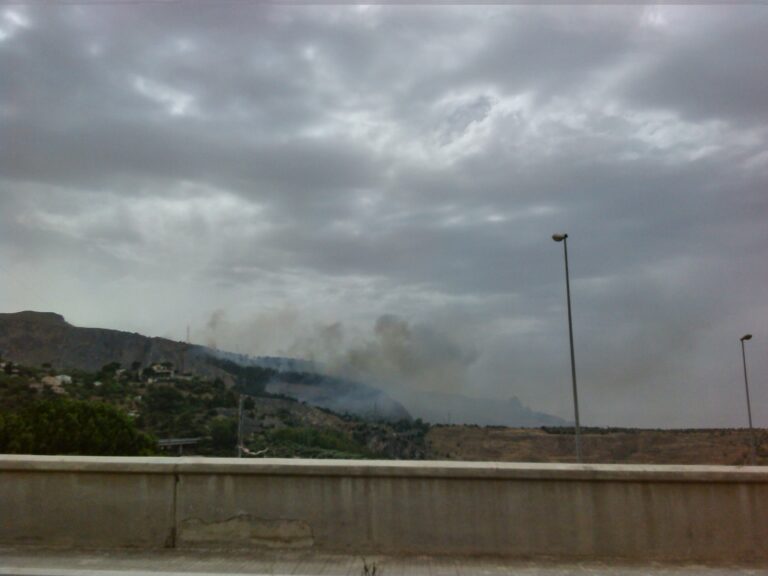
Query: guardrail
[699,513]
[179,443]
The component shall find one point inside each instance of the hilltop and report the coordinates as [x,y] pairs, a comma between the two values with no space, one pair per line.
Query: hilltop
[36,338]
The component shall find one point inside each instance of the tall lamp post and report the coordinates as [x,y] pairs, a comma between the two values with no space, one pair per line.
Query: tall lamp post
[749,408]
[564,239]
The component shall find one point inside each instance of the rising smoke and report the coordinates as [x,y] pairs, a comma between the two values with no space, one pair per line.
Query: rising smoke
[395,354]
[416,357]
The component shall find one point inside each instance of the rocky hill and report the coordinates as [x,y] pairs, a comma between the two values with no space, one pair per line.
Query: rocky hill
[35,338]
[38,338]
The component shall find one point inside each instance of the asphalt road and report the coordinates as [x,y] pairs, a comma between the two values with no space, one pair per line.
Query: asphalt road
[20,562]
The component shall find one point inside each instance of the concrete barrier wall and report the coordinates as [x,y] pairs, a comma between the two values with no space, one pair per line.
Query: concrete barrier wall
[564,511]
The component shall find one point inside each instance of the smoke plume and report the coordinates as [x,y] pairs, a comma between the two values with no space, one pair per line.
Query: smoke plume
[393,354]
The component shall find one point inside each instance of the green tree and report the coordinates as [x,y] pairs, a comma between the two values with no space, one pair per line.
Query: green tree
[110,368]
[164,399]
[64,426]
[223,433]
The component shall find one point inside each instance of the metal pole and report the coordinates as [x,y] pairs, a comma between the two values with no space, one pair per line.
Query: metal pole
[240,427]
[749,408]
[573,359]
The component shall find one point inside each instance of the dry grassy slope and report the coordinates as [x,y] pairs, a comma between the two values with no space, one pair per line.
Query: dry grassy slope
[637,447]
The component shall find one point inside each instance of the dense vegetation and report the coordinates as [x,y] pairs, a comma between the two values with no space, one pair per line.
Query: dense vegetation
[121,411]
[250,380]
[310,443]
[63,426]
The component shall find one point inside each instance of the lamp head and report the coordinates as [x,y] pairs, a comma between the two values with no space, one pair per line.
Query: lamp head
[559,237]
[746,337]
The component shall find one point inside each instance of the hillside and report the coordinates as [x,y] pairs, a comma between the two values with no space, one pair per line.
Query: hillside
[36,338]
[162,404]
[166,405]
[45,338]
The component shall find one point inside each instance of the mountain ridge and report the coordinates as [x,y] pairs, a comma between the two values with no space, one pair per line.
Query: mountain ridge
[37,338]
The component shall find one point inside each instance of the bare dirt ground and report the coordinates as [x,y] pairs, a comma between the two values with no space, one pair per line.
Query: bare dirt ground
[710,446]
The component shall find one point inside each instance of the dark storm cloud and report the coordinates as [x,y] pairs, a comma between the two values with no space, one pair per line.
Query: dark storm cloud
[299,167]
[516,56]
[714,71]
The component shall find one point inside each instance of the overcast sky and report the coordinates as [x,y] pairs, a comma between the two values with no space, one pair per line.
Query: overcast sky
[380,184]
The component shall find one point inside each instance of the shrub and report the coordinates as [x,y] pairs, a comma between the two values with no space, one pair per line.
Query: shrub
[63,426]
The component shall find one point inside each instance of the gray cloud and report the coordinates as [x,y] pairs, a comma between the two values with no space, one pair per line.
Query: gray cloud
[710,72]
[377,186]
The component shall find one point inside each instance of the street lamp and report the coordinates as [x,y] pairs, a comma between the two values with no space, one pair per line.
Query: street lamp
[749,408]
[564,239]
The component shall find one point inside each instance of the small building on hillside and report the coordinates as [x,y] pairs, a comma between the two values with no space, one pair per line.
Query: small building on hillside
[54,384]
